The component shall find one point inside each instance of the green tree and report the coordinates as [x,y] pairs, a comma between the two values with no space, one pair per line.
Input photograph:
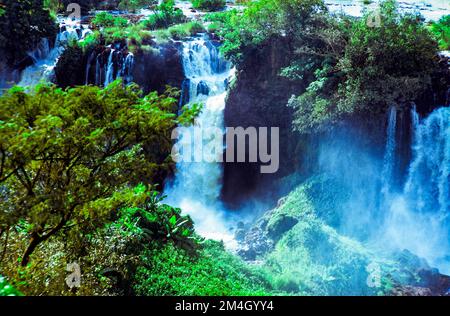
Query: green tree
[366,69]
[67,155]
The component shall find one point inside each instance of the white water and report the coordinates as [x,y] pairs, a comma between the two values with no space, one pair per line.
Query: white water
[418,219]
[197,185]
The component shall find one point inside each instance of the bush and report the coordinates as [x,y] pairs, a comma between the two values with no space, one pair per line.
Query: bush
[441,30]
[169,270]
[165,15]
[209,5]
[105,19]
[181,31]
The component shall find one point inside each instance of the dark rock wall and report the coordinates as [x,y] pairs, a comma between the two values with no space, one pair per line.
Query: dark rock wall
[258,99]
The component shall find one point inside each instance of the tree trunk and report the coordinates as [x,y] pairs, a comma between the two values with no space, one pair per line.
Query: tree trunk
[34,242]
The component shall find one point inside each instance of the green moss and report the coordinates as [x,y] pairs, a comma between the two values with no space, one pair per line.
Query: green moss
[310,256]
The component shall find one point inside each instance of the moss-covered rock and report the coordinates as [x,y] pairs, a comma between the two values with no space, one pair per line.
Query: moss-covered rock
[300,247]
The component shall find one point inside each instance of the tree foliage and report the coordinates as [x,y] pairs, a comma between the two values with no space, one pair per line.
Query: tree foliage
[346,64]
[67,155]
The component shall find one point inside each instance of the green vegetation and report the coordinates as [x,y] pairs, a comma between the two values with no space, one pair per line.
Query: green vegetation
[164,16]
[348,66]
[68,156]
[105,19]
[169,270]
[209,5]
[441,29]
[6,289]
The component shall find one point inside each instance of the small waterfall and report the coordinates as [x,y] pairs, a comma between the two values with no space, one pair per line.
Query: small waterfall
[42,50]
[389,154]
[116,66]
[127,68]
[414,122]
[98,72]
[197,185]
[109,76]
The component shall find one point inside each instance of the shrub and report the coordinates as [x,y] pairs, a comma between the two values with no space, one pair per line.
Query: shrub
[105,19]
[181,31]
[170,270]
[209,5]
[165,15]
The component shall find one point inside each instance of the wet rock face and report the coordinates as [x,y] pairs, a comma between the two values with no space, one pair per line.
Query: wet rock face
[154,70]
[151,70]
[258,99]
[254,242]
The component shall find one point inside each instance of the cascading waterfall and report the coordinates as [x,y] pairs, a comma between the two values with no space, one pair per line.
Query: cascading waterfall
[196,187]
[429,174]
[418,219]
[46,57]
[109,77]
[117,66]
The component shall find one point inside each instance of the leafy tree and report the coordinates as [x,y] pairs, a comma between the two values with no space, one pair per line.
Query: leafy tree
[368,68]
[66,155]
[26,20]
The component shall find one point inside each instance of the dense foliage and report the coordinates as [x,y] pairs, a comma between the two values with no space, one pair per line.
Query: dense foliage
[348,64]
[67,156]
[164,16]
[6,289]
[441,29]
[27,20]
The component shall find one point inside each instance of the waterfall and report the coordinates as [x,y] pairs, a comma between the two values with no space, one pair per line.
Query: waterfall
[46,57]
[197,185]
[429,173]
[109,76]
[389,154]
[88,67]
[419,217]
[116,66]
[127,68]
[414,123]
